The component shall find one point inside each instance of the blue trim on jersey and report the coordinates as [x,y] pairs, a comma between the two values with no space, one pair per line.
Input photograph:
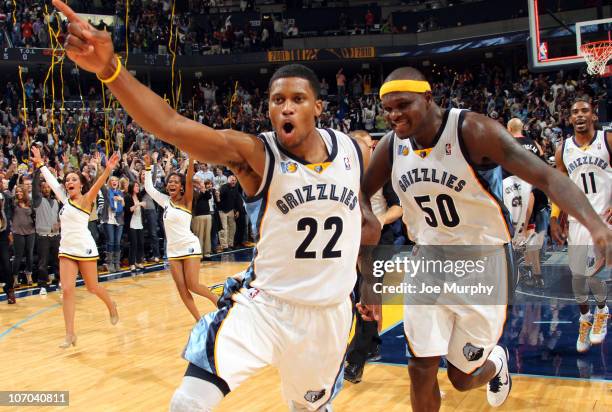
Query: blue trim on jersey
[588,144]
[200,349]
[211,336]
[416,146]
[269,173]
[359,156]
[330,157]
[391,147]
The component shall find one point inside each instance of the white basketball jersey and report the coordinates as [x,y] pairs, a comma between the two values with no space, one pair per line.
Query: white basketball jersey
[445,201]
[516,200]
[589,168]
[309,223]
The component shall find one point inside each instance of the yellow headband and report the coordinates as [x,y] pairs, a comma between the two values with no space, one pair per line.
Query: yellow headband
[415,86]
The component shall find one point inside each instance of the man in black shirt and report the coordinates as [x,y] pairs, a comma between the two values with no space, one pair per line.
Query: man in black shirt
[201,224]
[229,205]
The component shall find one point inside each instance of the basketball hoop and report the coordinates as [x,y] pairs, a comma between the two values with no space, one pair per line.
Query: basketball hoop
[597,55]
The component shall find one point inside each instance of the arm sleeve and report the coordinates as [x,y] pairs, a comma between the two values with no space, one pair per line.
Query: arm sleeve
[390,195]
[160,198]
[55,185]
[36,196]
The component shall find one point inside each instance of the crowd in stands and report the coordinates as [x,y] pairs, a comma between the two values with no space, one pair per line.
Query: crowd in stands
[212,27]
[80,139]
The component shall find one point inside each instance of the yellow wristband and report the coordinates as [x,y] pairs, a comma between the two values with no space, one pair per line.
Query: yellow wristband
[40,164]
[148,168]
[555,211]
[115,75]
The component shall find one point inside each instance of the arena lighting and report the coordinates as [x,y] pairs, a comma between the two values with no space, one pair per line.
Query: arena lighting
[263,70]
[198,75]
[426,63]
[365,65]
[489,55]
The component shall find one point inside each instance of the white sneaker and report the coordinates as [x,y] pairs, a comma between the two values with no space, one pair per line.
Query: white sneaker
[499,387]
[600,326]
[583,344]
[43,292]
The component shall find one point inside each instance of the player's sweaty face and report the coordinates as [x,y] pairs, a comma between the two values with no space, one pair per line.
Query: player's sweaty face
[403,111]
[292,109]
[582,117]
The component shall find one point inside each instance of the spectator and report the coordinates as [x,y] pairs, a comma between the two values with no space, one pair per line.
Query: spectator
[229,206]
[23,230]
[202,217]
[110,210]
[340,84]
[47,229]
[133,219]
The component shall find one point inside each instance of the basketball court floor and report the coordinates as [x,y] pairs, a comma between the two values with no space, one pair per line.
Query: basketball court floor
[136,365]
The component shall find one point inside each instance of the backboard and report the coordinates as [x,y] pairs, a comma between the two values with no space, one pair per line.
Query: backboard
[557,29]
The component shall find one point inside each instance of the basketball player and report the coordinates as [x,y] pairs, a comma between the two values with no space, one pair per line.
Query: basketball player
[365,345]
[78,252]
[432,157]
[182,246]
[586,159]
[520,200]
[292,308]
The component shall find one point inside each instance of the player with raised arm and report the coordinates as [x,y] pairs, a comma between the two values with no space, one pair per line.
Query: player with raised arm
[292,309]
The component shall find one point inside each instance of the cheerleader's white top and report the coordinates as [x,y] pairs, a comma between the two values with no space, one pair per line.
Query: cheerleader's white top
[181,243]
[76,241]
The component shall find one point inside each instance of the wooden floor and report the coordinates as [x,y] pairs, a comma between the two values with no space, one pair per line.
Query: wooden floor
[136,365]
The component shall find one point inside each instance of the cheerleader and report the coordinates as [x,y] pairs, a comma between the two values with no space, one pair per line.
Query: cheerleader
[182,246]
[77,250]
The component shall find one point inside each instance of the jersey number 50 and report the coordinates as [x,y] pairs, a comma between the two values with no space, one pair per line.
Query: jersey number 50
[310,224]
[446,210]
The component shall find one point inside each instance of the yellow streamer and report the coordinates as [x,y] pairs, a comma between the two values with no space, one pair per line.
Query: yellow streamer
[25,110]
[172,50]
[105,119]
[127,33]
[232,100]
[178,92]
[14,12]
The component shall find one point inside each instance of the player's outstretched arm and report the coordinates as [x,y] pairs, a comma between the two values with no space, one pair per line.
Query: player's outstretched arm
[488,142]
[92,50]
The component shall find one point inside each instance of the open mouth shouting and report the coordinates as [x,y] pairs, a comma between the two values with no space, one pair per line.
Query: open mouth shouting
[287,130]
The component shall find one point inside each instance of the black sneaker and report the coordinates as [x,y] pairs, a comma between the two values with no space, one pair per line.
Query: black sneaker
[375,355]
[353,372]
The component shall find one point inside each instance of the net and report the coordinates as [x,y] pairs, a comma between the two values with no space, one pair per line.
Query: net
[597,55]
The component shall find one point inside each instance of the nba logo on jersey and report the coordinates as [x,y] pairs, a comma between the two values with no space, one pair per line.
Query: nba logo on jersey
[347,163]
[448,149]
[402,150]
[288,167]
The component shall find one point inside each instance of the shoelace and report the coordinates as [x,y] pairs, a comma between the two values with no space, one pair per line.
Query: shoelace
[584,328]
[600,322]
[495,384]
